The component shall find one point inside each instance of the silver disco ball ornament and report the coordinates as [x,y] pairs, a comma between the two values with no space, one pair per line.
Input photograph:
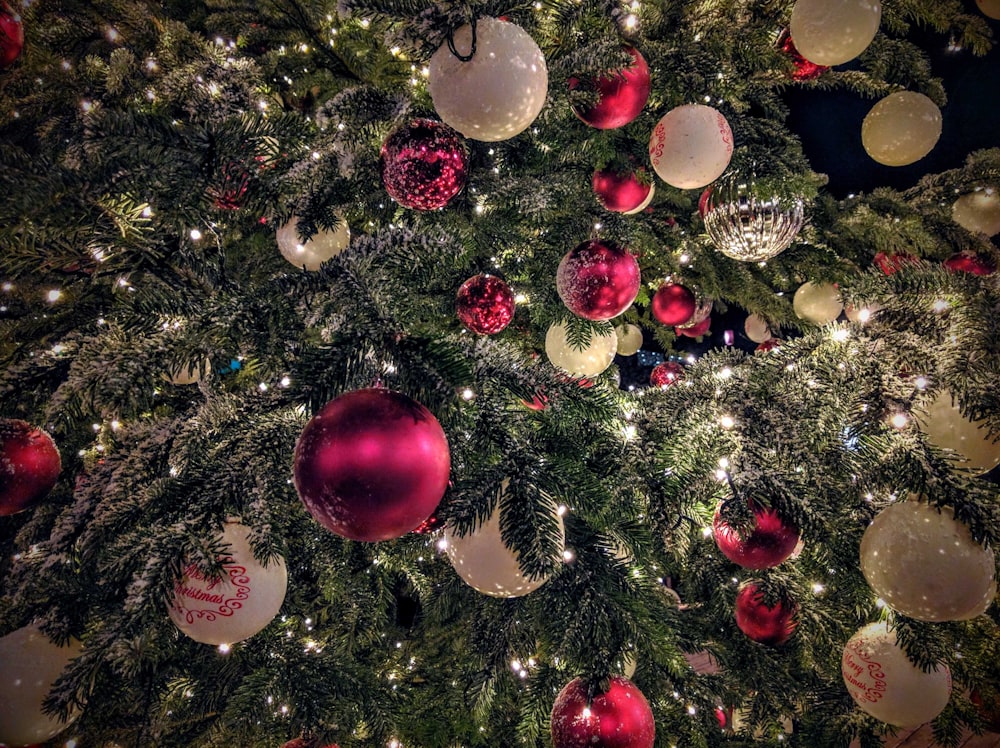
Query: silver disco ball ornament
[746,224]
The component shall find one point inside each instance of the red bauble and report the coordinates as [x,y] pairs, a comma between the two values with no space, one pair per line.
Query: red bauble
[673,304]
[485,304]
[703,202]
[372,465]
[11,36]
[424,164]
[969,262]
[623,96]
[696,330]
[770,542]
[804,70]
[988,708]
[666,374]
[598,280]
[771,626]
[768,345]
[889,264]
[621,193]
[29,465]
[618,718]
[231,187]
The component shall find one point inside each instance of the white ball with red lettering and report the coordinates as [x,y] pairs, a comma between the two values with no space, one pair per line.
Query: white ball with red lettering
[241,604]
[499,92]
[885,684]
[691,146]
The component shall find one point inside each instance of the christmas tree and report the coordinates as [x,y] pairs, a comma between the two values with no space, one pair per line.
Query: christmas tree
[321,422]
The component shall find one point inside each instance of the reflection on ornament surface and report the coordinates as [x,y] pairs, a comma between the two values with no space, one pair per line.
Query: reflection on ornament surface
[748,226]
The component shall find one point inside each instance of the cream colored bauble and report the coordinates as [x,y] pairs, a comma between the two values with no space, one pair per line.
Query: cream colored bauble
[320,247]
[239,605]
[486,564]
[691,146]
[989,8]
[978,212]
[629,340]
[189,373]
[901,129]
[861,315]
[818,303]
[629,663]
[924,563]
[832,32]
[947,429]
[885,684]
[590,361]
[757,329]
[29,664]
[496,94]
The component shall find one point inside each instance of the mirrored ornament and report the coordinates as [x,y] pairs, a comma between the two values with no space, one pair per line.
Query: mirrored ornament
[746,224]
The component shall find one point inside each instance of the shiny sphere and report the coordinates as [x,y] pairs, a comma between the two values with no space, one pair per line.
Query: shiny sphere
[948,429]
[622,193]
[622,95]
[832,32]
[589,361]
[618,718]
[969,262]
[818,303]
[11,36]
[673,304]
[691,146]
[29,465]
[768,544]
[322,246]
[629,339]
[757,329]
[666,374]
[424,164]
[598,280]
[485,304]
[771,626]
[978,212]
[804,69]
[901,129]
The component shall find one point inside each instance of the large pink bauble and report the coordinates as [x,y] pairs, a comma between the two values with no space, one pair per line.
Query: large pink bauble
[29,465]
[621,193]
[372,465]
[771,626]
[424,164]
[770,542]
[623,96]
[485,304]
[598,280]
[618,718]
[673,304]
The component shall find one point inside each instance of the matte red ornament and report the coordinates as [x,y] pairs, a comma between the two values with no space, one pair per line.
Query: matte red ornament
[29,465]
[804,70]
[770,542]
[673,304]
[424,164]
[889,264]
[666,374]
[696,330]
[969,262]
[622,96]
[11,36]
[598,280]
[617,718]
[485,304]
[372,465]
[768,345]
[621,193]
[771,626]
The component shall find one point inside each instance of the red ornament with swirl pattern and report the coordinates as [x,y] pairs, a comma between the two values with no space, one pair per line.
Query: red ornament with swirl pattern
[11,36]
[622,95]
[804,70]
[29,465]
[424,164]
[617,718]
[485,304]
[598,280]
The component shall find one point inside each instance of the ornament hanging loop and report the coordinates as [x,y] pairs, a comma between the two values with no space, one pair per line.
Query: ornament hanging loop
[472,47]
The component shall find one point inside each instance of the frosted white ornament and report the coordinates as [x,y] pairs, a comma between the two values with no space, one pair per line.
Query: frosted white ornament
[885,684]
[29,664]
[499,92]
[629,341]
[589,361]
[486,564]
[948,429]
[901,129]
[978,212]
[818,303]
[832,32]
[989,8]
[757,329]
[323,245]
[924,563]
[189,373]
[239,605]
[691,146]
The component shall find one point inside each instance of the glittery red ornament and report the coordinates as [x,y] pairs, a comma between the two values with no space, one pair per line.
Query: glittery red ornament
[889,264]
[673,304]
[485,304]
[666,374]
[621,193]
[29,465]
[372,465]
[11,36]
[424,164]
[770,542]
[768,345]
[617,718]
[771,626]
[622,96]
[970,262]
[598,280]
[696,330]
[804,70]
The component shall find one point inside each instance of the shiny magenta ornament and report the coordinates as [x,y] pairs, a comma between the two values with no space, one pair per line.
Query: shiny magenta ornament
[29,465]
[618,718]
[770,542]
[424,164]
[485,304]
[970,262]
[666,374]
[598,280]
[804,70]
[622,95]
[673,304]
[622,192]
[771,626]
[11,36]
[372,465]
[695,330]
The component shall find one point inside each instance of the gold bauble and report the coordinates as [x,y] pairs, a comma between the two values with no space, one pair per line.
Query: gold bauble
[901,129]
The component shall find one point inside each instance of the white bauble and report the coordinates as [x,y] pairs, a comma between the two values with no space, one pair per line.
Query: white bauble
[320,247]
[924,563]
[691,146]
[862,314]
[901,129]
[978,212]
[239,605]
[818,303]
[189,373]
[832,32]
[757,329]
[629,663]
[629,340]
[29,664]
[486,564]
[499,92]
[947,429]
[588,362]
[885,684]
[990,8]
